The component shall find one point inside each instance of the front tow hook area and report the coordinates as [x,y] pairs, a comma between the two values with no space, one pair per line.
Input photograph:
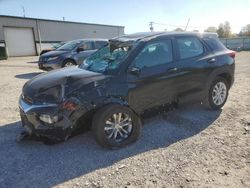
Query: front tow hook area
[25,136]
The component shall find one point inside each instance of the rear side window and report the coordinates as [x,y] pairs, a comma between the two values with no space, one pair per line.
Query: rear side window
[100,44]
[189,47]
[214,43]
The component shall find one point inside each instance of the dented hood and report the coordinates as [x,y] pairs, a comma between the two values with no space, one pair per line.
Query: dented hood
[66,76]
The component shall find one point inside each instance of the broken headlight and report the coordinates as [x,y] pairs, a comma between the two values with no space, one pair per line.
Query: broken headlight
[48,119]
[51,95]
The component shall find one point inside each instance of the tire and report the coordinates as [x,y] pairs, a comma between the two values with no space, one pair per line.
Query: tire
[68,62]
[210,101]
[102,127]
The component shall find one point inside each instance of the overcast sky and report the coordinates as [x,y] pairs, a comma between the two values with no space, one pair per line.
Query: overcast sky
[135,15]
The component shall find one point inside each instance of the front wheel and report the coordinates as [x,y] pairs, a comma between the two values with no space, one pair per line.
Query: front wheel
[68,63]
[217,94]
[116,126]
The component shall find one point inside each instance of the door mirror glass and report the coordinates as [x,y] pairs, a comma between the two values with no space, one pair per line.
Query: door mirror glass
[134,70]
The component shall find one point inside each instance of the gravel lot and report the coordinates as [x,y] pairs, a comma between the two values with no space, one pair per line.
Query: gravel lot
[187,147]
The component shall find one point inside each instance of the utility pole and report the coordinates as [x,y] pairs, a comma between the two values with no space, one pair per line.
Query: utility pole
[39,34]
[151,26]
[187,24]
[23,10]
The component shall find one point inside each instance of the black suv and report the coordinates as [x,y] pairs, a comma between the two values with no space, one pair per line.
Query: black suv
[119,82]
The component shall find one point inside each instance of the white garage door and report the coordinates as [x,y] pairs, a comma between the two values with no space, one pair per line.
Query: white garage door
[19,41]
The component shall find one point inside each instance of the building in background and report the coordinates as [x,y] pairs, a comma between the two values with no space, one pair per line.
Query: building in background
[21,36]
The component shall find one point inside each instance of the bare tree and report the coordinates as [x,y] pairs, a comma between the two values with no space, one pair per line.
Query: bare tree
[227,30]
[245,31]
[179,29]
[220,31]
[224,30]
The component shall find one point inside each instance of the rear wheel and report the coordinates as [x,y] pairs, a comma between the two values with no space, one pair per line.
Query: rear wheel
[217,94]
[68,63]
[116,126]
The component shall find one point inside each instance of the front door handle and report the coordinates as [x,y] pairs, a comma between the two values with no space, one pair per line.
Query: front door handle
[213,60]
[172,69]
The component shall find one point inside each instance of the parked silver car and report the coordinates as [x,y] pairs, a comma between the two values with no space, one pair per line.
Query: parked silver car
[71,53]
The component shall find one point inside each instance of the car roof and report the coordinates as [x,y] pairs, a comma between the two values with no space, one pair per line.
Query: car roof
[88,39]
[150,35]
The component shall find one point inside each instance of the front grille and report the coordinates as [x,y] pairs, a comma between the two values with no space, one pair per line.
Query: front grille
[25,122]
[23,117]
[27,99]
[43,59]
[40,65]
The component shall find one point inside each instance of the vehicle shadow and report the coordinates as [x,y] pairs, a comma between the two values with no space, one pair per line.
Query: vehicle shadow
[32,62]
[33,163]
[27,75]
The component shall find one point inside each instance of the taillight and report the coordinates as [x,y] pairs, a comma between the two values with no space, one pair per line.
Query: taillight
[232,54]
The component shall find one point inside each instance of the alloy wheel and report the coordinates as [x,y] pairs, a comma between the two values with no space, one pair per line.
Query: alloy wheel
[68,64]
[219,93]
[118,127]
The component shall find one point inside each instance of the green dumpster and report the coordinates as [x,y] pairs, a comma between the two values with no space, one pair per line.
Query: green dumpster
[2,53]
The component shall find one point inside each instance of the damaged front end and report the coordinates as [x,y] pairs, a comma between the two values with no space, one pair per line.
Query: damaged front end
[52,103]
[54,121]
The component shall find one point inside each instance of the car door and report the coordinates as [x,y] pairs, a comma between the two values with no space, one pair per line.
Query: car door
[193,64]
[151,76]
[84,50]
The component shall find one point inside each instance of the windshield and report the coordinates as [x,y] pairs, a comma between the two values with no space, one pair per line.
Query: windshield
[107,58]
[69,45]
[57,45]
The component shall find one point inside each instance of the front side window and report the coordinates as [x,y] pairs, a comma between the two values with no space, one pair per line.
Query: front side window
[154,53]
[189,47]
[86,45]
[69,45]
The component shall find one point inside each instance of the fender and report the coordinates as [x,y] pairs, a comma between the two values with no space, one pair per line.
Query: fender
[121,101]
[228,70]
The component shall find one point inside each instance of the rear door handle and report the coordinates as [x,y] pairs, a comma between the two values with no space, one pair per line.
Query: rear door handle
[213,60]
[172,69]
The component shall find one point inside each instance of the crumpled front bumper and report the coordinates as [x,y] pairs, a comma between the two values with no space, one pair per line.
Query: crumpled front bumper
[51,65]
[30,120]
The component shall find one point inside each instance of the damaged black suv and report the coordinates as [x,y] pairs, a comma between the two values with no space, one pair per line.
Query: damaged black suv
[122,80]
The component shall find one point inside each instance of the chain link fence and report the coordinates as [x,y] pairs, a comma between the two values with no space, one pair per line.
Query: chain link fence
[237,44]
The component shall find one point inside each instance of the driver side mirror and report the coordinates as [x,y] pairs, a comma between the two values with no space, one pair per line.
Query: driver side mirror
[79,49]
[134,71]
